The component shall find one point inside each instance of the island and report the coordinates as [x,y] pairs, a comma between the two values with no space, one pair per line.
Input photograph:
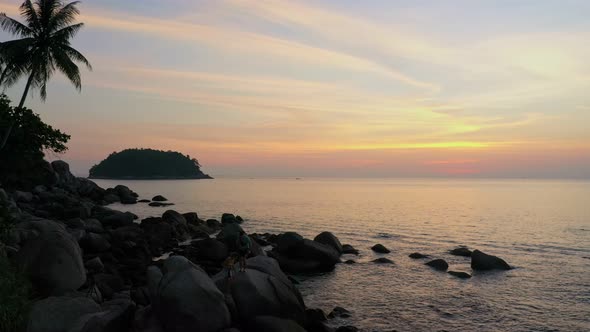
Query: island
[147,164]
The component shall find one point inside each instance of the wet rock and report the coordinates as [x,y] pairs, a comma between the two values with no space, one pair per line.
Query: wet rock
[160,204]
[305,256]
[380,249]
[348,249]
[382,260]
[438,264]
[128,200]
[329,239]
[339,312]
[417,255]
[347,328]
[184,298]
[481,261]
[461,251]
[462,275]
[159,198]
[287,241]
[143,201]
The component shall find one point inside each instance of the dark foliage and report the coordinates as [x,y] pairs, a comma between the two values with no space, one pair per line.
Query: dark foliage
[148,164]
[23,154]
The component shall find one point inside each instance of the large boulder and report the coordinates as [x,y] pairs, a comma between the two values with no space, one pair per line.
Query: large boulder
[62,169]
[329,239]
[173,217]
[59,314]
[482,261]
[52,258]
[117,219]
[78,313]
[272,324]
[210,249]
[305,256]
[287,241]
[184,298]
[263,290]
[94,243]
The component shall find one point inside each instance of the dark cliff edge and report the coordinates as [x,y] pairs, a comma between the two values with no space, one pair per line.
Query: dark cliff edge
[148,164]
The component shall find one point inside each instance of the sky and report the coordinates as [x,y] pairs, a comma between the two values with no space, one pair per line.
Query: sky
[343,88]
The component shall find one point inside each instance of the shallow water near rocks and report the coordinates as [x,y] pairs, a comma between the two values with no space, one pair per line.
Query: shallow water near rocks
[542,228]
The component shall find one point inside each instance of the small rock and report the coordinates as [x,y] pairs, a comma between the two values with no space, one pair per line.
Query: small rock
[329,239]
[160,204]
[380,249]
[94,265]
[382,260]
[347,328]
[462,275]
[483,261]
[94,243]
[239,219]
[348,249]
[350,261]
[461,251]
[159,198]
[143,201]
[339,312]
[417,255]
[438,264]
[23,196]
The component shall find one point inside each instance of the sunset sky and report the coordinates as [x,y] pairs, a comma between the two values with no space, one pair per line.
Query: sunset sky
[497,88]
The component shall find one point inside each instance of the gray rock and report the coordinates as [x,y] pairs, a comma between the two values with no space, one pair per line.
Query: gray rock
[339,312]
[93,225]
[118,219]
[481,261]
[111,198]
[114,316]
[210,249]
[62,169]
[288,241]
[438,264]
[306,256]
[329,239]
[380,249]
[53,260]
[23,196]
[262,290]
[94,243]
[192,218]
[173,217]
[94,265]
[186,299]
[272,324]
[60,314]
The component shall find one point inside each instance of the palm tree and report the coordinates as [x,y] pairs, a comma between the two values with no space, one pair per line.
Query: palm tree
[43,47]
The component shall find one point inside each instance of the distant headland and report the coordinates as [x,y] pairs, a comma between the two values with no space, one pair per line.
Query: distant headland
[147,164]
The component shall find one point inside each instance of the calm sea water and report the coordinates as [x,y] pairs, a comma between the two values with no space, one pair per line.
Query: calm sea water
[540,227]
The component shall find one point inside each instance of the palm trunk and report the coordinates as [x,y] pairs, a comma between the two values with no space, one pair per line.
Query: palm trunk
[20,105]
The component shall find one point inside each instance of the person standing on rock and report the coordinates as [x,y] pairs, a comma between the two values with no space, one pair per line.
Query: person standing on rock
[244,245]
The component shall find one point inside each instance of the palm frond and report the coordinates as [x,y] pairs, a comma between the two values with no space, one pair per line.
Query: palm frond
[64,35]
[64,17]
[28,11]
[75,55]
[14,27]
[47,9]
[65,64]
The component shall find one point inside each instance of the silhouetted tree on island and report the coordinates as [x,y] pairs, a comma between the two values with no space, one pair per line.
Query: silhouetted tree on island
[148,164]
[43,48]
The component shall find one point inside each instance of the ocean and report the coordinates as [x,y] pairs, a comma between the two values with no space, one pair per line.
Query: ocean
[541,227]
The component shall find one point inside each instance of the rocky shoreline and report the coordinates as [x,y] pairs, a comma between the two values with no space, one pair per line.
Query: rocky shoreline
[96,269]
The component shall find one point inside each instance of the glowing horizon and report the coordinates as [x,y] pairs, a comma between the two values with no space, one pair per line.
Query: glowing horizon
[332,88]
